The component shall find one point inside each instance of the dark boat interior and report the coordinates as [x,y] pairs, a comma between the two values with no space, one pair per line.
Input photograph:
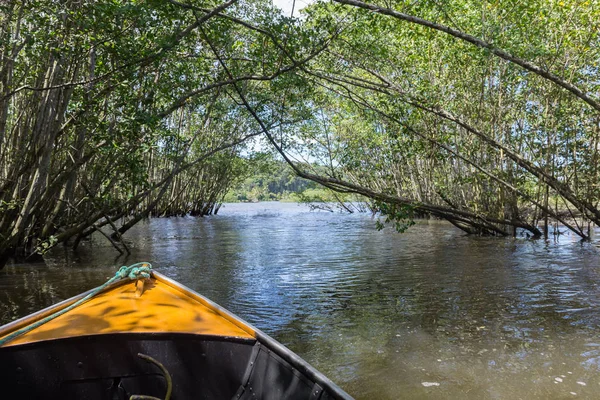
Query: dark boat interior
[108,367]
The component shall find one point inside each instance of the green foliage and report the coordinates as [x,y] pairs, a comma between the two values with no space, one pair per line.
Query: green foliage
[134,111]
[402,217]
[46,245]
[125,108]
[6,206]
[384,79]
[267,179]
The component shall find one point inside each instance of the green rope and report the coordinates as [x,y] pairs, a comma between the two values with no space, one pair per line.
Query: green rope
[133,272]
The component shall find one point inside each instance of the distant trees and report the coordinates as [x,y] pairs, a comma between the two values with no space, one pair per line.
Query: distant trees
[268,178]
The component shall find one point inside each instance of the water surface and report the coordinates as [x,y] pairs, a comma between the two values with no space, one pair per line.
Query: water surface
[428,314]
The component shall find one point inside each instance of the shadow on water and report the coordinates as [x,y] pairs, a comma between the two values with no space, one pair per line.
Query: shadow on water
[426,314]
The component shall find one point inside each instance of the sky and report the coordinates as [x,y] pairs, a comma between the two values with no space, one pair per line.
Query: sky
[286,5]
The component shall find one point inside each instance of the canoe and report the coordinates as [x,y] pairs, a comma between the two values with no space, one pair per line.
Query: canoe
[150,336]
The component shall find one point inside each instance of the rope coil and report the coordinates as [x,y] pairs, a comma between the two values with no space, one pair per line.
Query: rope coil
[141,270]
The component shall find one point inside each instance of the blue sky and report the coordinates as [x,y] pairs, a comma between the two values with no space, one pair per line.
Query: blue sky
[286,5]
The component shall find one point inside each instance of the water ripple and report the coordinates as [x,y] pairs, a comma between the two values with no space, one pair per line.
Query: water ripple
[378,312]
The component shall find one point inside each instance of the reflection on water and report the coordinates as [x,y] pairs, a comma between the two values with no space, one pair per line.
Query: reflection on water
[428,314]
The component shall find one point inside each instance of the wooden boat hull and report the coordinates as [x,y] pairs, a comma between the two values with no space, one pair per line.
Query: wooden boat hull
[236,361]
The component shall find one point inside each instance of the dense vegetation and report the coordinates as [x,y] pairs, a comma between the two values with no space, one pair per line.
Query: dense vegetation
[499,126]
[486,114]
[267,179]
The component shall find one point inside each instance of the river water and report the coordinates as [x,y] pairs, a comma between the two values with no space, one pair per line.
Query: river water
[428,314]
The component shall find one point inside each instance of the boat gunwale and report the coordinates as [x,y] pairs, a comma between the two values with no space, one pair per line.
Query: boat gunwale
[271,344]
[139,336]
[43,313]
[221,311]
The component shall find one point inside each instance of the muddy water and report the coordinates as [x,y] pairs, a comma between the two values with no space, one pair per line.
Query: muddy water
[428,314]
